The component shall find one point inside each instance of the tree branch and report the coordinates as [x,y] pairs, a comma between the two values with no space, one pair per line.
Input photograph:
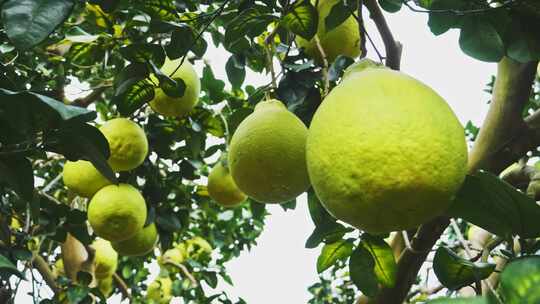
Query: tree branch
[510,94]
[393,47]
[86,101]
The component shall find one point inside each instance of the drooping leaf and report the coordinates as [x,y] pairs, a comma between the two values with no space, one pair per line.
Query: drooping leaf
[340,12]
[302,19]
[361,270]
[338,67]
[159,9]
[333,252]
[441,19]
[171,87]
[481,40]
[391,6]
[7,265]
[385,267]
[455,272]
[236,71]
[81,141]
[519,281]
[488,202]
[28,22]
[251,23]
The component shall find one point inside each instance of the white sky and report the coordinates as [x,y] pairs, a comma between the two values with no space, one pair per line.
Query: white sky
[280,269]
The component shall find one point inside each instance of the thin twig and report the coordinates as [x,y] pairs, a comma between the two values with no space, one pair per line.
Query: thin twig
[185,271]
[324,59]
[458,12]
[217,13]
[124,289]
[461,239]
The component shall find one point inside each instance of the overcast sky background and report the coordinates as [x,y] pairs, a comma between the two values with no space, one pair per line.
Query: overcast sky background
[279,269]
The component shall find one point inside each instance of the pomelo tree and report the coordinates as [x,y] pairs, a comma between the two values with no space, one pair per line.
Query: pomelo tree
[136,58]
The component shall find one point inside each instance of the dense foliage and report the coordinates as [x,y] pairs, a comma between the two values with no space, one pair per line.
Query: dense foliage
[114,45]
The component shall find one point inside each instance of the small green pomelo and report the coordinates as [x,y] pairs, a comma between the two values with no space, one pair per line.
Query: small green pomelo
[140,244]
[222,188]
[160,291]
[117,212]
[105,259]
[267,154]
[83,178]
[385,152]
[341,40]
[177,106]
[128,143]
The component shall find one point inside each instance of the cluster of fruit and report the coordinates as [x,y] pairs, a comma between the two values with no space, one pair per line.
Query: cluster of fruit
[384,152]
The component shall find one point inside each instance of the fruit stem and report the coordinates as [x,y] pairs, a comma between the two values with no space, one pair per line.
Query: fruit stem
[393,47]
[43,268]
[326,80]
[185,271]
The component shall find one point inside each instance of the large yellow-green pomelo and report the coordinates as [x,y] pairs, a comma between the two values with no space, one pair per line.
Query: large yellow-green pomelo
[177,106]
[140,244]
[385,152]
[105,259]
[128,143]
[341,40]
[222,188]
[160,291]
[267,154]
[83,178]
[117,212]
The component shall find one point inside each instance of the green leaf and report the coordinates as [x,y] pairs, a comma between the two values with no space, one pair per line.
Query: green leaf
[338,67]
[236,71]
[385,267]
[134,97]
[7,265]
[361,270]
[251,22]
[302,19]
[333,252]
[326,233]
[339,13]
[77,294]
[455,272]
[475,300]
[488,202]
[480,39]
[212,86]
[143,53]
[182,40]
[16,171]
[24,114]
[441,19]
[81,141]
[171,87]
[158,9]
[28,22]
[391,6]
[519,281]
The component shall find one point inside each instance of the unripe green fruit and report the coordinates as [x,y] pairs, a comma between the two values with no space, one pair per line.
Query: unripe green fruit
[267,154]
[83,178]
[177,106]
[105,259]
[127,142]
[140,244]
[222,188]
[117,212]
[385,152]
[341,40]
